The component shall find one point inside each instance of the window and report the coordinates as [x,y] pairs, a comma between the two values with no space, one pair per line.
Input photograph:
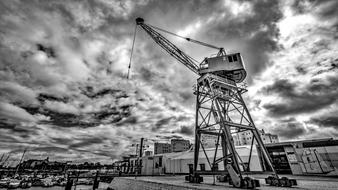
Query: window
[160,162]
[202,166]
[234,57]
[230,58]
[214,167]
[191,168]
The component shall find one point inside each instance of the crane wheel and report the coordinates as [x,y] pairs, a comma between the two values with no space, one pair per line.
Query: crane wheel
[250,183]
[284,181]
[194,178]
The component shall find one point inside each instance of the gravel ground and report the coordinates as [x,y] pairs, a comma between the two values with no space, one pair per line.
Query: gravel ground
[304,182]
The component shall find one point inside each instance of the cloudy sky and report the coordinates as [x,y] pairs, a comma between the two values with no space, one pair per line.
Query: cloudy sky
[63,65]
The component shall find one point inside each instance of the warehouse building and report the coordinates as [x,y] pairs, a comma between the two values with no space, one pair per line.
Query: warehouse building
[180,162]
[319,156]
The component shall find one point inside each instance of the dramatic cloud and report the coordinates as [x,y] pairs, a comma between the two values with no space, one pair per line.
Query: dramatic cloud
[300,81]
[289,128]
[63,65]
[310,98]
[186,130]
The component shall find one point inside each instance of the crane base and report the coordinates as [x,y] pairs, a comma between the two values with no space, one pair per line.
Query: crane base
[194,178]
[223,178]
[246,183]
[250,183]
[282,182]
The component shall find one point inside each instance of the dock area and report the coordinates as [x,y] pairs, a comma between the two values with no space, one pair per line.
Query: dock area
[178,183]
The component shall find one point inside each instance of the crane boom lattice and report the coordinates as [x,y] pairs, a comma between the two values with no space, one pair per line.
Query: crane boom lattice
[169,47]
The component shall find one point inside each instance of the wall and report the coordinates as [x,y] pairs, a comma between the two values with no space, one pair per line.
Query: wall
[312,160]
[294,163]
[180,164]
[317,159]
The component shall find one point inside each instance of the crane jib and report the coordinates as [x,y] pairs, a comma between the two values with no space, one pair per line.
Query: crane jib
[170,48]
[229,66]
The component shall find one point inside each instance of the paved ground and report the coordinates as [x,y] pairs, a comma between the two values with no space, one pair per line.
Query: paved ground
[304,182]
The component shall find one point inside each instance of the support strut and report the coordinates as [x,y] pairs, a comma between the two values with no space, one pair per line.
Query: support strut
[220,112]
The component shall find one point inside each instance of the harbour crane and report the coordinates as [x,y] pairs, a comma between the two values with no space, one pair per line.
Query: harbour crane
[220,113]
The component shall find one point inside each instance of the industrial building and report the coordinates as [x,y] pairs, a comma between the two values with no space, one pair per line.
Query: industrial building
[182,162]
[161,148]
[303,157]
[245,137]
[175,145]
[240,138]
[179,145]
[318,156]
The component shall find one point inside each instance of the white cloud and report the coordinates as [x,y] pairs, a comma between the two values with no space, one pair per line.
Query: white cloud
[15,92]
[14,114]
[61,107]
[308,51]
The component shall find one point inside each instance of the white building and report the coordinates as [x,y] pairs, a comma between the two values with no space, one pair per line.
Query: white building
[180,145]
[160,148]
[178,162]
[245,138]
[176,145]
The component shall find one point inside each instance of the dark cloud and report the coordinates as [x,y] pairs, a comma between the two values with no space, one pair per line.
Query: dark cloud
[320,47]
[87,142]
[328,9]
[289,129]
[89,92]
[161,123]
[15,128]
[62,141]
[43,97]
[296,99]
[169,137]
[50,52]
[255,36]
[325,8]
[326,121]
[301,70]
[186,130]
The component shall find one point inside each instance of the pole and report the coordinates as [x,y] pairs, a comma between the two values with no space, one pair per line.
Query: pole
[17,168]
[141,147]
[96,181]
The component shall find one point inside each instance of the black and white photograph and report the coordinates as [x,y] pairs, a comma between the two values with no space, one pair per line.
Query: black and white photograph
[168,94]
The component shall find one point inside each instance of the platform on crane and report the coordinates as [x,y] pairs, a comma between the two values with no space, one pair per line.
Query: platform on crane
[228,66]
